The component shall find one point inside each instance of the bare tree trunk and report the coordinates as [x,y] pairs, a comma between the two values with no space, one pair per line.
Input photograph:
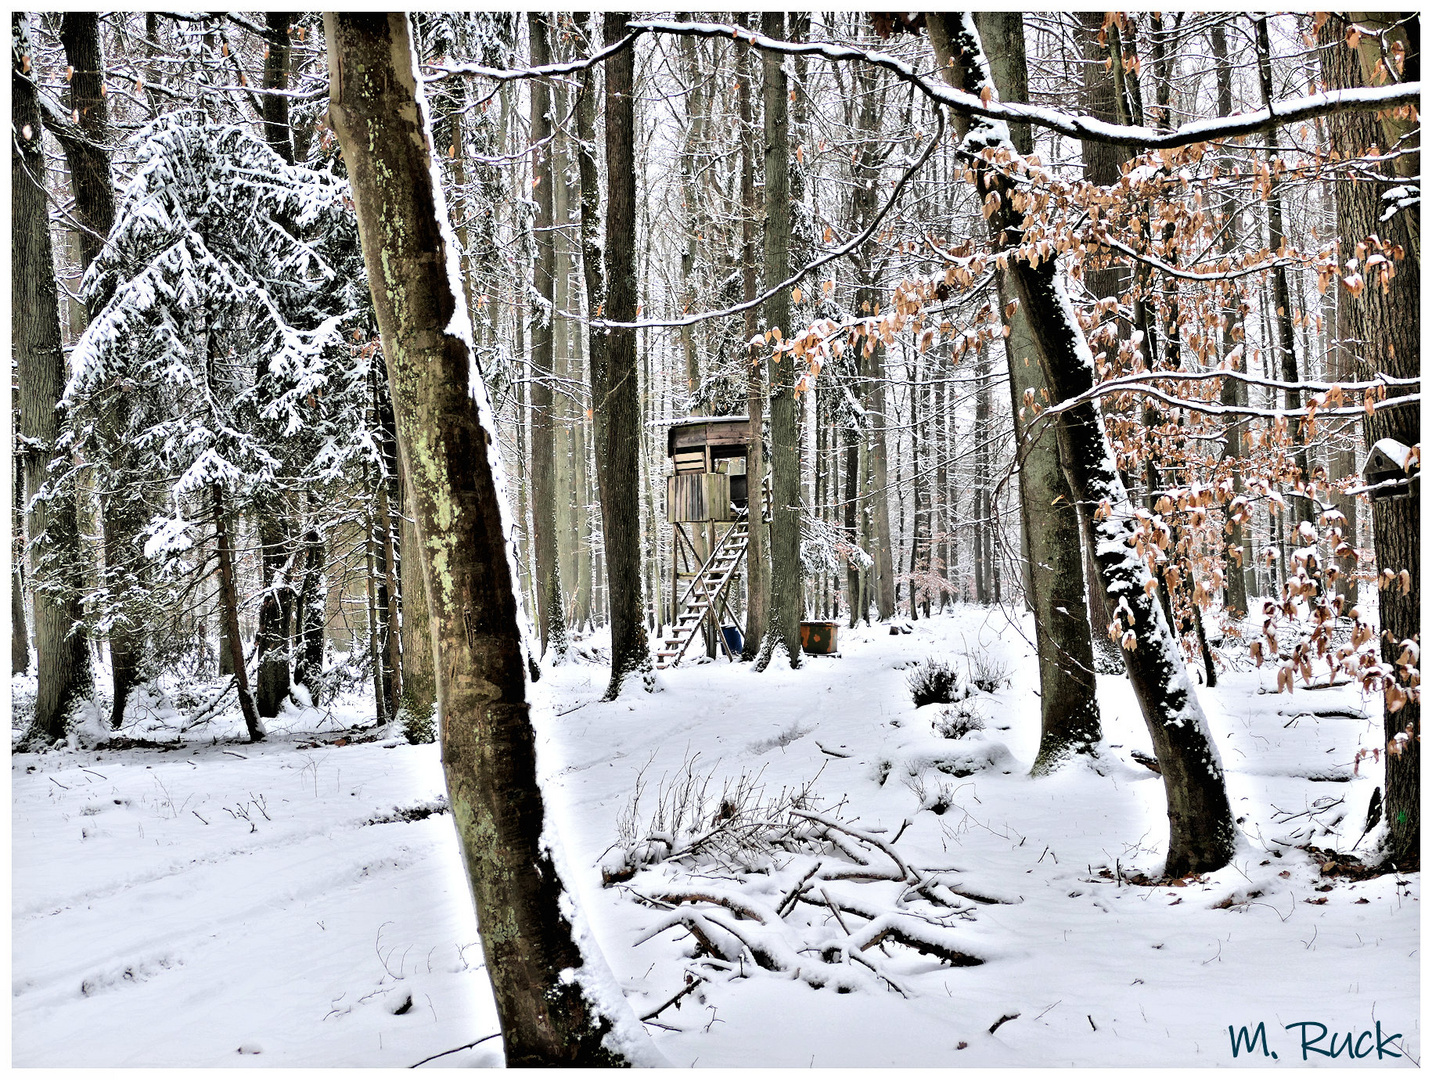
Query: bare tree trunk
[122,511]
[311,612]
[872,355]
[1385,339]
[543,983]
[758,567]
[1300,506]
[551,619]
[1233,392]
[614,385]
[277,132]
[229,612]
[786,577]
[61,641]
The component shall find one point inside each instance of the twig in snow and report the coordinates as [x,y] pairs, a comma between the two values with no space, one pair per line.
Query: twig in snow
[1006,1018]
[456,1049]
[198,815]
[696,980]
[233,753]
[832,753]
[834,910]
[789,900]
[57,783]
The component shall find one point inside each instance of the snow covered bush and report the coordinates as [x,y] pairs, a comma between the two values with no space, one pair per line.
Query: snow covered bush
[959,719]
[934,682]
[987,673]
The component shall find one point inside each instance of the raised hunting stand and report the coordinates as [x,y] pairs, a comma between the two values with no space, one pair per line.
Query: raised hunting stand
[706,506]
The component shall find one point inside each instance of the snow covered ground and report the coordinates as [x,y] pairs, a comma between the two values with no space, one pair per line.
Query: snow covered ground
[301,903]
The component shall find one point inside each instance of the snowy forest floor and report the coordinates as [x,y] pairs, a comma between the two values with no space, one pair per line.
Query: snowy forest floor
[302,903]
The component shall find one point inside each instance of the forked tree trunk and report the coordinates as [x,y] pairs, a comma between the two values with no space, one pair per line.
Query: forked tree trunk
[1201,830]
[554,1003]
[1068,705]
[122,512]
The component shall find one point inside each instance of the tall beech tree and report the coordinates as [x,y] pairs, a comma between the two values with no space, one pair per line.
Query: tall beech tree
[1376,327]
[614,377]
[758,564]
[1201,830]
[556,1005]
[786,578]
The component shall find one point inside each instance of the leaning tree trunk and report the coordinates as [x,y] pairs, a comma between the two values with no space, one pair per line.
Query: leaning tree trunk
[1069,707]
[619,438]
[555,1004]
[1201,830]
[787,599]
[61,642]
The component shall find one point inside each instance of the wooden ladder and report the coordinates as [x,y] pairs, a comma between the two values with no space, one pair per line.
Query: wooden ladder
[706,587]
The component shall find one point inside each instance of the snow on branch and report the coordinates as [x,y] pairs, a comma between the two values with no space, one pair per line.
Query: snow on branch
[1086,128]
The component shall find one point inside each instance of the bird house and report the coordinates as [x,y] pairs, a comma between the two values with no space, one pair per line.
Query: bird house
[1391,469]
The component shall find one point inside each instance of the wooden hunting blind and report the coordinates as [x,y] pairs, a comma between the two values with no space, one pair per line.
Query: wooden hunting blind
[708,454]
[706,507]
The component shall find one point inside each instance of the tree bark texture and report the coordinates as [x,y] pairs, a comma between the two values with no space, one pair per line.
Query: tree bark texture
[540,977]
[1068,704]
[1201,830]
[1384,338]
[275,675]
[614,387]
[876,499]
[787,599]
[418,701]
[1300,506]
[61,642]
[277,132]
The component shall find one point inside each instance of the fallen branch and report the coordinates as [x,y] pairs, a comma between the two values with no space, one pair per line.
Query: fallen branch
[1006,1018]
